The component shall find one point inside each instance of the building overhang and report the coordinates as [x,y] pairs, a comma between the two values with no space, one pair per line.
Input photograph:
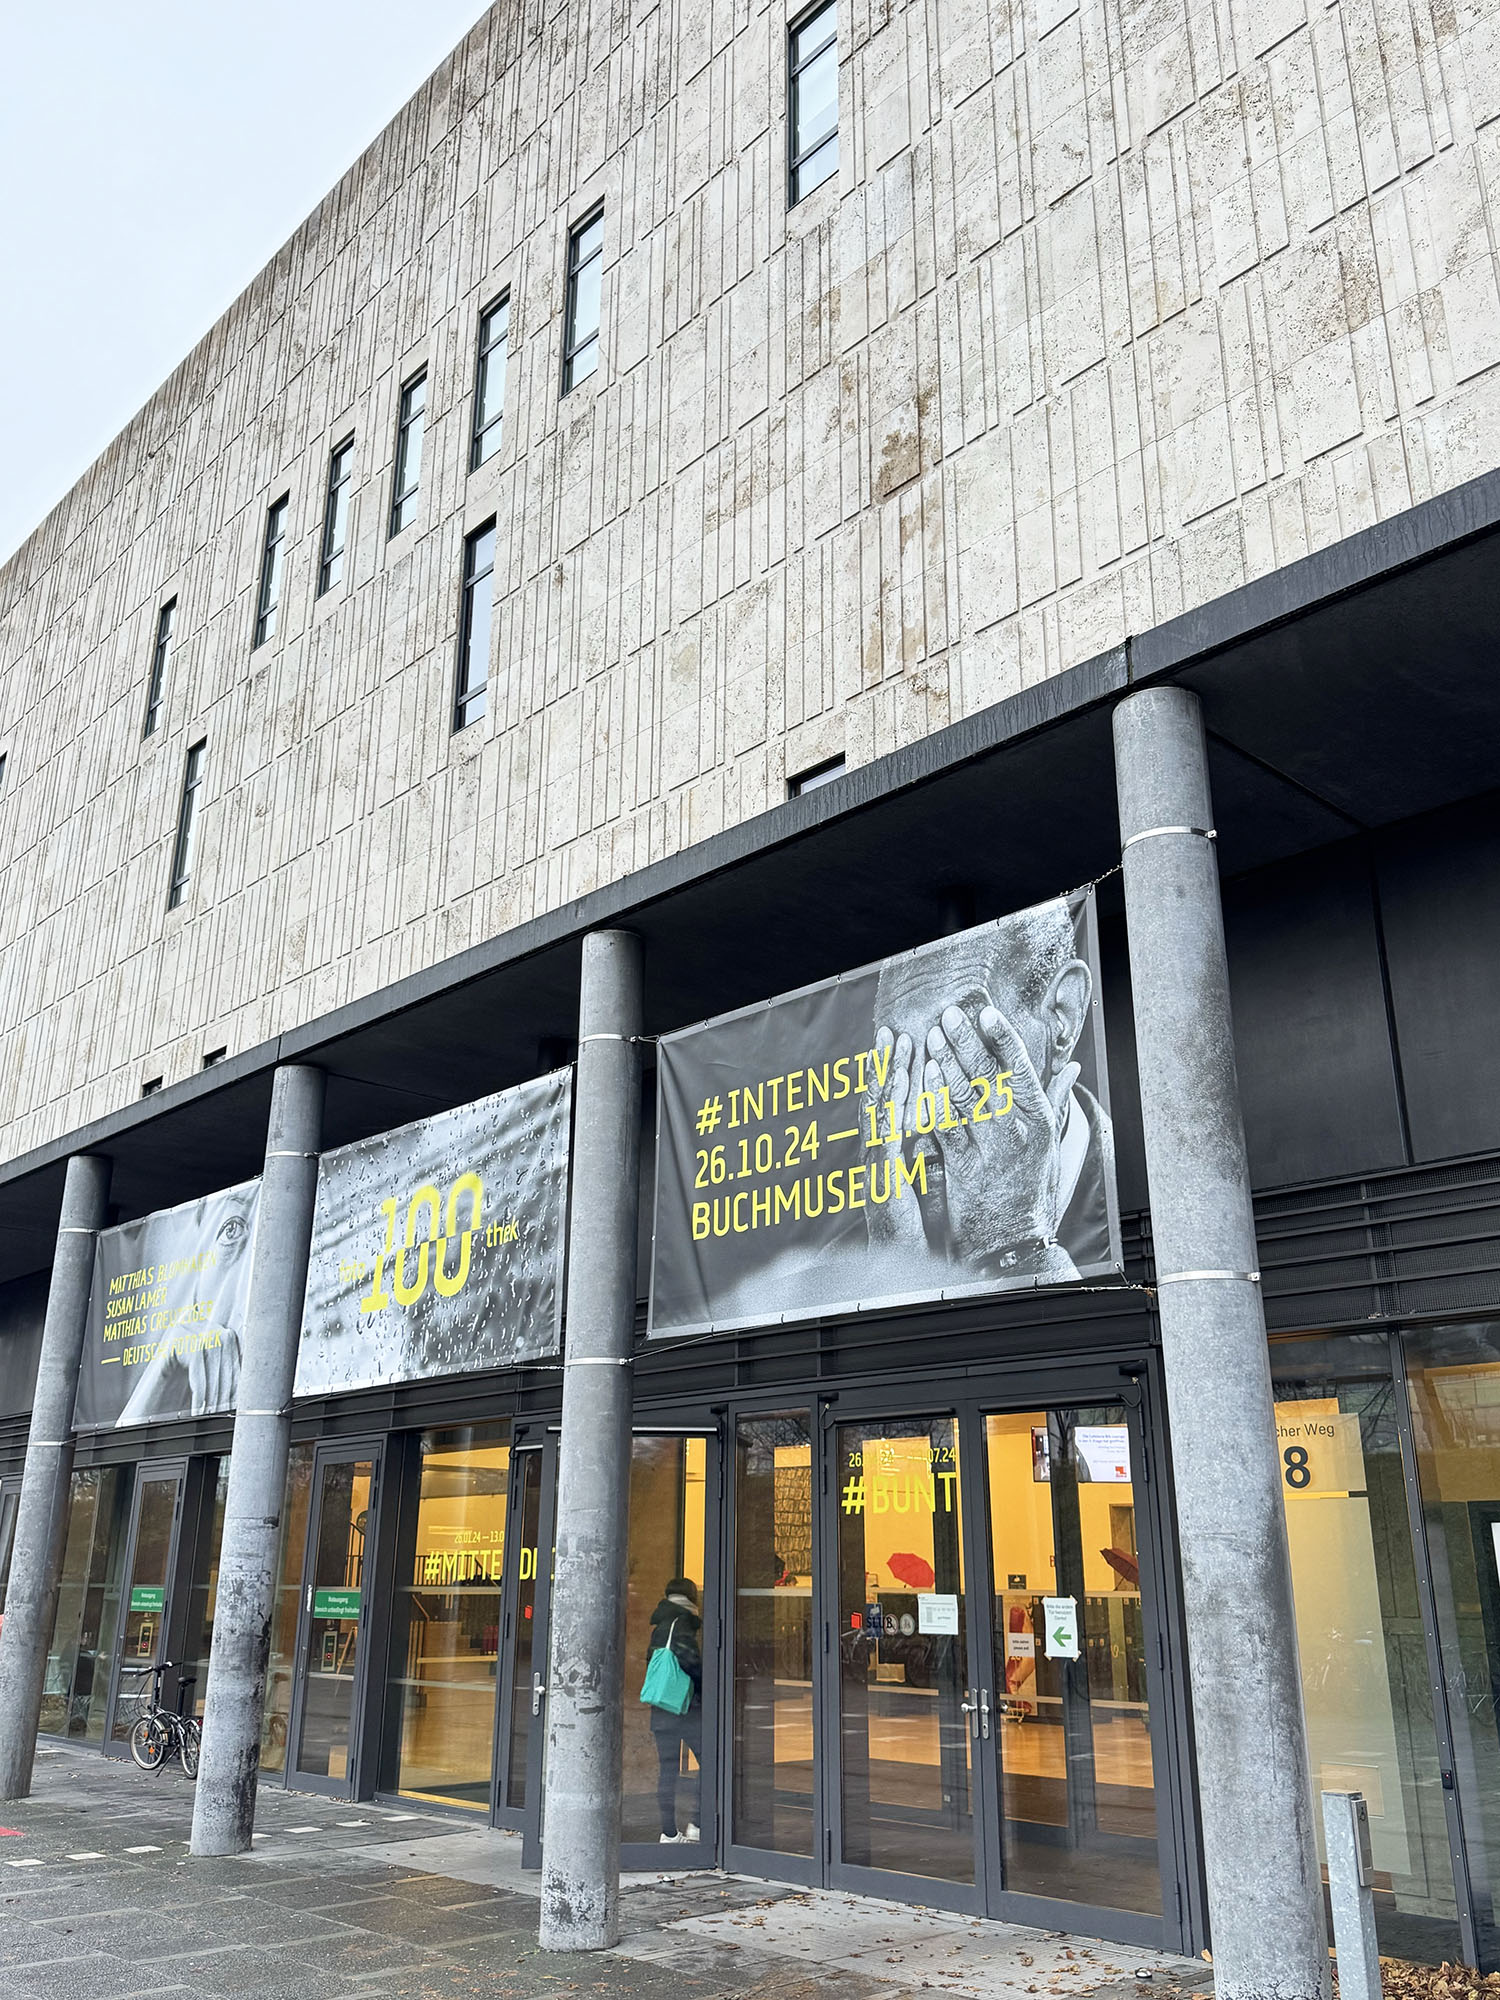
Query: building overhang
[1346,691]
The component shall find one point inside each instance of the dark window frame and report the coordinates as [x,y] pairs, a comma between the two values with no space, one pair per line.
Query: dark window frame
[408,421]
[471,696]
[573,347]
[802,782]
[797,159]
[272,557]
[490,344]
[336,517]
[189,805]
[166,625]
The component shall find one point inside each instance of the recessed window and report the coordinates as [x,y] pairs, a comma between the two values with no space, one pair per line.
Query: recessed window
[270,571]
[187,824]
[585,273]
[3,761]
[336,515]
[150,1087]
[474,626]
[409,428]
[820,774]
[813,124]
[212,1056]
[166,618]
[489,382]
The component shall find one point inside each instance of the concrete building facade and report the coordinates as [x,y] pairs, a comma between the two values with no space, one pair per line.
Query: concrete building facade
[1104,449]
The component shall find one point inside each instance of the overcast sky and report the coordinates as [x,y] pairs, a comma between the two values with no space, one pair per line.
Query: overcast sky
[153,156]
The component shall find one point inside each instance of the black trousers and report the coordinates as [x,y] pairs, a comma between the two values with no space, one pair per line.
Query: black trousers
[671,1732]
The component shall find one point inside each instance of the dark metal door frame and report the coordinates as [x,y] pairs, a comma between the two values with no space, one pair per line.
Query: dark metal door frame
[1068,1381]
[329,1452]
[146,1472]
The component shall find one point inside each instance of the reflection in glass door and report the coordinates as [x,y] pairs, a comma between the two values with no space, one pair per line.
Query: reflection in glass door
[450,1607]
[906,1692]
[525,1727]
[335,1614]
[1073,1731]
[143,1638]
[771,1784]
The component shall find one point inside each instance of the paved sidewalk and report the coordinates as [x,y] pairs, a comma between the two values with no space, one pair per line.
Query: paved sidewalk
[99,1900]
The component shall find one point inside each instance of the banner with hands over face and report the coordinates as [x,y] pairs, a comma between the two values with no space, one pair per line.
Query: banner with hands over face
[934,1126]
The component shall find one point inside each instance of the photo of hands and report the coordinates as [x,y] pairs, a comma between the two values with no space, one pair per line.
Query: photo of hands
[932,1126]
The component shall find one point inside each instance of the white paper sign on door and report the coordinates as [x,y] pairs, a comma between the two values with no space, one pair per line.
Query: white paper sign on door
[937,1614]
[1062,1627]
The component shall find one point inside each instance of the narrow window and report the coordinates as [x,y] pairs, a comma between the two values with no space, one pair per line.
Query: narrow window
[336,516]
[166,618]
[820,774]
[581,330]
[150,1087]
[187,824]
[813,127]
[489,385]
[270,572]
[3,760]
[474,626]
[409,453]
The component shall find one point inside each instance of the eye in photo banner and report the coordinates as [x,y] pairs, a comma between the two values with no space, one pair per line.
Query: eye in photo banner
[166,1313]
[934,1126]
[437,1249]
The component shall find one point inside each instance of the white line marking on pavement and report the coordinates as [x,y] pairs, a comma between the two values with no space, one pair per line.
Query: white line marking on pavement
[143,1850]
[302,1829]
[394,1816]
[90,1854]
[352,1822]
[31,1861]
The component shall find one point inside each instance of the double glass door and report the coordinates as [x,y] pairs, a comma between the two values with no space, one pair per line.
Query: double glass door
[946,1659]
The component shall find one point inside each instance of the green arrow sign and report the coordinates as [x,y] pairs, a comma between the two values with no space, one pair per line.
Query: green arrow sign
[335,1604]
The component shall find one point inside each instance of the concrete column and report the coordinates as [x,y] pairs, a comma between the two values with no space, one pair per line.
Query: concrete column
[234,1699]
[586,1688]
[42,1516]
[1264,1894]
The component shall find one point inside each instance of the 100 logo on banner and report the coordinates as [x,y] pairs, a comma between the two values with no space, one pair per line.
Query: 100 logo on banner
[431,1254]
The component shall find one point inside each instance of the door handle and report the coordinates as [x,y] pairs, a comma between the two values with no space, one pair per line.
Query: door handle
[309,1600]
[970,1709]
[538,1689]
[984,1713]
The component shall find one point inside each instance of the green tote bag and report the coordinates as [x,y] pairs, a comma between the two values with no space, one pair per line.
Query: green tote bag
[667,1684]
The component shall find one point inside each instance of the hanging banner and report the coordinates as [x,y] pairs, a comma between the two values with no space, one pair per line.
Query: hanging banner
[934,1126]
[437,1249]
[166,1313]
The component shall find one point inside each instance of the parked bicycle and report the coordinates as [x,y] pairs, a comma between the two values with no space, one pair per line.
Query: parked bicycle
[160,1733]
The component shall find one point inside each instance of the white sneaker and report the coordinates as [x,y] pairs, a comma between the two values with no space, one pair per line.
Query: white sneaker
[673,1839]
[692,1832]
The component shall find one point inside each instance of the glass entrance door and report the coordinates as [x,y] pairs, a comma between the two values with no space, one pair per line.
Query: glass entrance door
[991,1731]
[335,1618]
[150,1560]
[1072,1713]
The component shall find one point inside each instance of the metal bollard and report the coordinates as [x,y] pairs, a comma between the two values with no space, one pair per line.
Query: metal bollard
[1351,1871]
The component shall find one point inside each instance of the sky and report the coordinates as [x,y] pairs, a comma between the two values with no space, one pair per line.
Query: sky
[153,157]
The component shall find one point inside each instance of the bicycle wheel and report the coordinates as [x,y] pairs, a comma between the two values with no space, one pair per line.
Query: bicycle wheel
[192,1738]
[148,1743]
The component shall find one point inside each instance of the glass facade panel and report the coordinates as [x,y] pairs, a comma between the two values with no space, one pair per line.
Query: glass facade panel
[1078,1798]
[902,1627]
[664,1604]
[1366,1682]
[204,1594]
[76,1688]
[772,1787]
[10,1501]
[345,1490]
[1454,1373]
[282,1663]
[143,1637]
[451,1611]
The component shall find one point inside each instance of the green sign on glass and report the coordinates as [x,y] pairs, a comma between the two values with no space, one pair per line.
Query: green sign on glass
[148,1597]
[335,1604]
